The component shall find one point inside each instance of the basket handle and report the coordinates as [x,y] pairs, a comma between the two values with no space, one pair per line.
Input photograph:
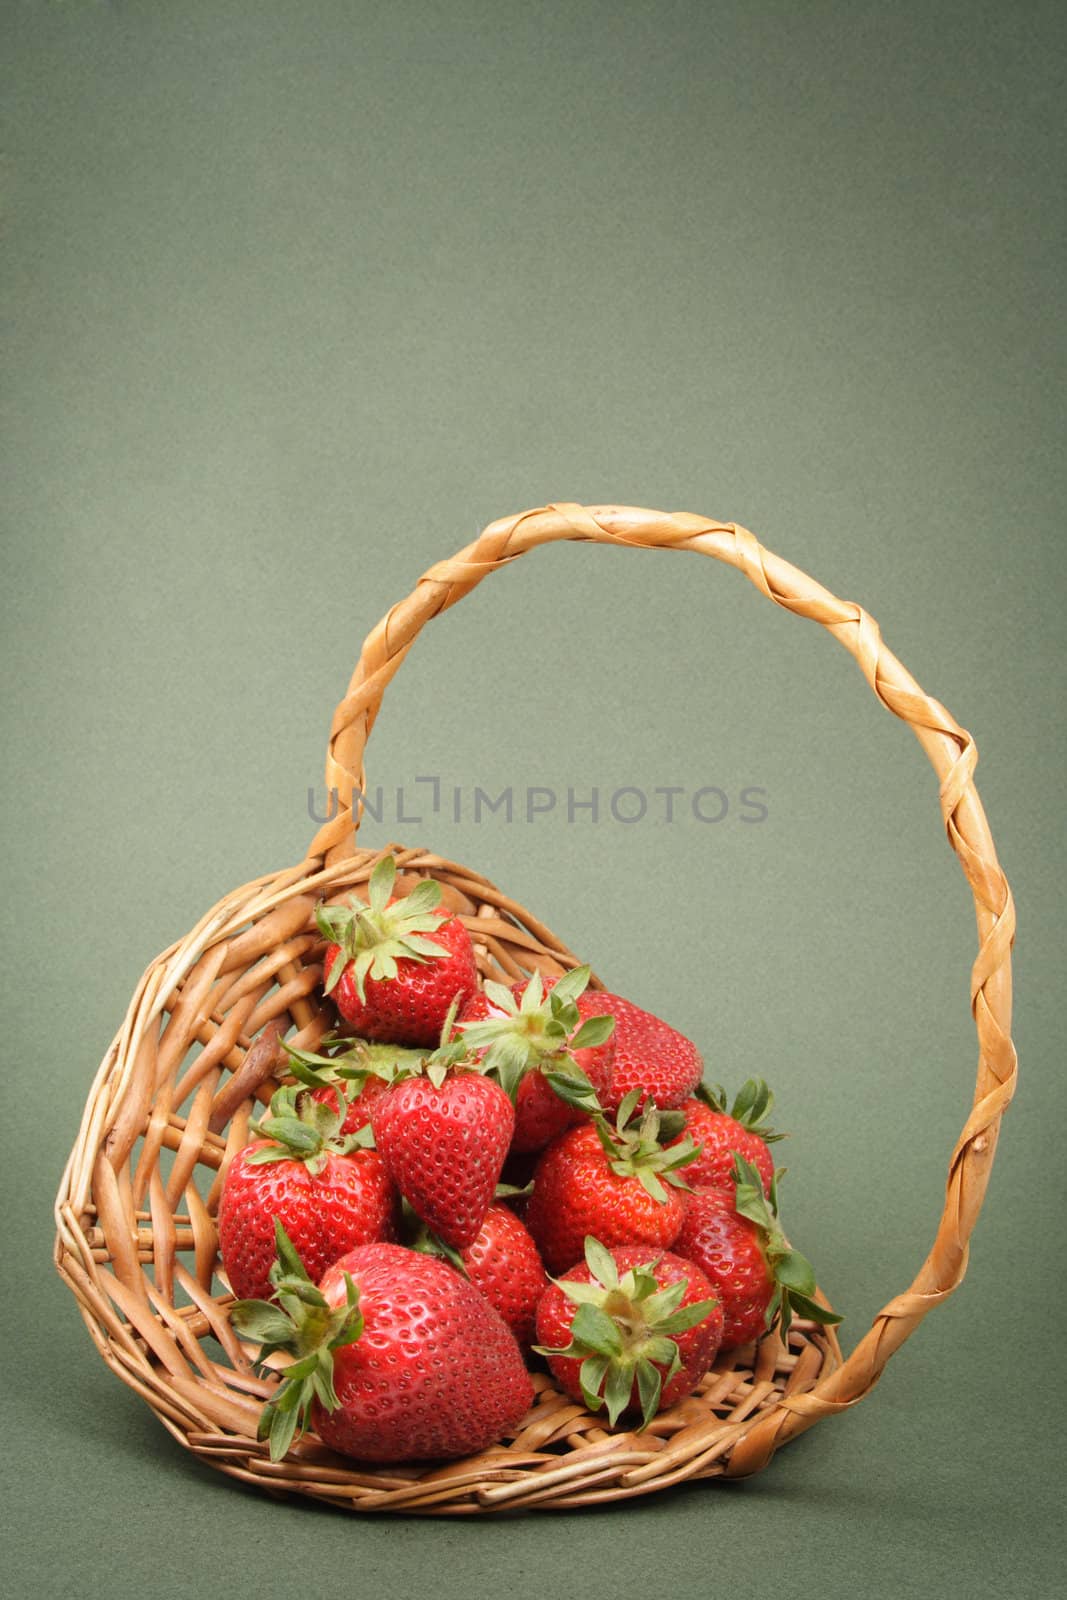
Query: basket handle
[952,753]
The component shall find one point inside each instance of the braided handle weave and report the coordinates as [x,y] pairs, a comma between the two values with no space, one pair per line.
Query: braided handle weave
[952,753]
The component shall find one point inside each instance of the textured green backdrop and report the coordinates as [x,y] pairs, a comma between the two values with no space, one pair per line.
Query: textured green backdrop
[300,295]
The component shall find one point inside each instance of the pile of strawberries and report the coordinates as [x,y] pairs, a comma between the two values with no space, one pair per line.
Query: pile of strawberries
[393,1226]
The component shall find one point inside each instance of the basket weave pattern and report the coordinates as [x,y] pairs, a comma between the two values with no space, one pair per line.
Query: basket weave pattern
[199,1053]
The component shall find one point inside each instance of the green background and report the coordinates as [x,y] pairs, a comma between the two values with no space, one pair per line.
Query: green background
[301,295]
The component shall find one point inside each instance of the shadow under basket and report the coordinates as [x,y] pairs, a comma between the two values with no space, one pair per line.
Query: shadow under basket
[199,1054]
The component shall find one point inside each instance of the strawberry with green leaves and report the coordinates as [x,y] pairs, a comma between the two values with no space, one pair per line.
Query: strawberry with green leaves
[737,1242]
[329,1191]
[629,1331]
[723,1134]
[397,1358]
[650,1055]
[394,966]
[363,1068]
[443,1131]
[549,1046]
[619,1184]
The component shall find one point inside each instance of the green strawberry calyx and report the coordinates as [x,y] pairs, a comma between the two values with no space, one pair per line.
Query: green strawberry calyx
[303,1325]
[635,1145]
[374,934]
[752,1103]
[452,1055]
[540,1032]
[793,1274]
[622,1332]
[351,1063]
[301,1128]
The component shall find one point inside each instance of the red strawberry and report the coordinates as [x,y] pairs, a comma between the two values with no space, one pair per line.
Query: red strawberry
[645,1331]
[649,1055]
[737,1242]
[394,967]
[721,1135]
[504,1264]
[551,1050]
[443,1143]
[329,1195]
[399,1359]
[727,1249]
[606,1182]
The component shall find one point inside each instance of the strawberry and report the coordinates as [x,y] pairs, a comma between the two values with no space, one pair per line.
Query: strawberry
[649,1055]
[643,1335]
[329,1194]
[607,1182]
[552,1051]
[721,1135]
[443,1136]
[398,1358]
[390,979]
[737,1242]
[504,1264]
[364,1069]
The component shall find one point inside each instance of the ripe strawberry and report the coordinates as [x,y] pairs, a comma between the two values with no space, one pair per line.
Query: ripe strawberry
[552,1051]
[389,978]
[649,1055]
[363,1068]
[645,1331]
[329,1194]
[443,1137]
[737,1242]
[722,1135]
[504,1264]
[398,1358]
[606,1182]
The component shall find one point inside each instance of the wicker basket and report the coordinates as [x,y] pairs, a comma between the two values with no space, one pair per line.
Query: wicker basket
[199,1050]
